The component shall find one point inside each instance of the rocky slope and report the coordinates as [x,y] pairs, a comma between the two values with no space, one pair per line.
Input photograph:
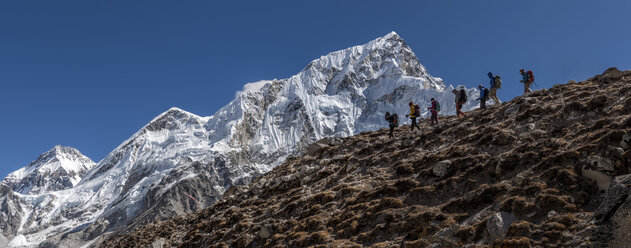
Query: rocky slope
[181,162]
[550,169]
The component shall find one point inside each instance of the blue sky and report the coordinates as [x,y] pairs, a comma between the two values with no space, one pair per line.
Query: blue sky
[89,74]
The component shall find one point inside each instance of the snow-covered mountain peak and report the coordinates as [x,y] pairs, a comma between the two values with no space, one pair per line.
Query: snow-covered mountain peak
[389,40]
[170,118]
[391,34]
[174,111]
[59,157]
[59,168]
[174,127]
[387,57]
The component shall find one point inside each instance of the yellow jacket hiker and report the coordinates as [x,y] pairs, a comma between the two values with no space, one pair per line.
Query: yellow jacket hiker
[414,112]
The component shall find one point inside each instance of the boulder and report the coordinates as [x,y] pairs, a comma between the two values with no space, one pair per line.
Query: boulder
[497,226]
[611,73]
[602,179]
[264,233]
[315,148]
[599,169]
[441,168]
[255,189]
[617,194]
[158,243]
[601,164]
[621,223]
[614,213]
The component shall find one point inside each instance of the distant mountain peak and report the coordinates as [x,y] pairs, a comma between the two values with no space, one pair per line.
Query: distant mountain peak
[173,112]
[386,56]
[392,37]
[169,118]
[59,168]
[391,34]
[54,154]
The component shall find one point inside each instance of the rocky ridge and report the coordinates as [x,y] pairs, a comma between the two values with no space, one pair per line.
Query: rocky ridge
[548,169]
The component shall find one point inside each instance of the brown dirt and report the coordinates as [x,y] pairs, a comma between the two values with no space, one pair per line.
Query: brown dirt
[521,160]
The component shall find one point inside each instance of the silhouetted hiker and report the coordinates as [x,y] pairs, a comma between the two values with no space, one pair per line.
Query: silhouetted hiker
[455,91]
[393,120]
[496,83]
[484,96]
[434,109]
[527,78]
[460,98]
[414,112]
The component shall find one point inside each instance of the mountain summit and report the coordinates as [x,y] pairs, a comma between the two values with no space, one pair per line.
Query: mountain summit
[180,162]
[58,169]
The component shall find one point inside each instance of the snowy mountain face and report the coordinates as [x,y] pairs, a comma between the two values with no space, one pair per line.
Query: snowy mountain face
[340,94]
[181,162]
[58,169]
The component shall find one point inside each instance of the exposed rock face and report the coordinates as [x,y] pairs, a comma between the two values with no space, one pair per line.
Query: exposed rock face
[10,213]
[514,180]
[614,214]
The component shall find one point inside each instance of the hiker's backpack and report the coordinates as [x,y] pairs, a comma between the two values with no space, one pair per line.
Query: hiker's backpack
[395,118]
[498,82]
[463,96]
[531,77]
[417,112]
[437,106]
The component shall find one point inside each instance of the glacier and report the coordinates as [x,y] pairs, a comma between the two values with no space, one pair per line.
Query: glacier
[178,154]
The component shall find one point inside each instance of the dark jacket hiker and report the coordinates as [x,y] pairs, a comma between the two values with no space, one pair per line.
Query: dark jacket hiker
[527,78]
[435,108]
[393,121]
[461,98]
[484,96]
